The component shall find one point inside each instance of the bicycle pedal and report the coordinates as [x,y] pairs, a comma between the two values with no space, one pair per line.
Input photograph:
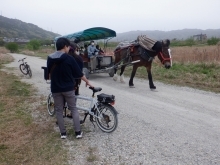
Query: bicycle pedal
[93,124]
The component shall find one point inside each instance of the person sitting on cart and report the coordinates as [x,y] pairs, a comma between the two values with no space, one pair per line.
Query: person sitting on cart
[101,52]
[100,55]
[91,54]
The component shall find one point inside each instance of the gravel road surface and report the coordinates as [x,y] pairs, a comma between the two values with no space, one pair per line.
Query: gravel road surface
[169,126]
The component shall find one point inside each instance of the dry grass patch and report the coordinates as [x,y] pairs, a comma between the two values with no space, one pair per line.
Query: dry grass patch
[44,52]
[28,52]
[196,54]
[3,50]
[5,58]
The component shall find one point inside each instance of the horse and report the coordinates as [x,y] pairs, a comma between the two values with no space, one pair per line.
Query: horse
[138,56]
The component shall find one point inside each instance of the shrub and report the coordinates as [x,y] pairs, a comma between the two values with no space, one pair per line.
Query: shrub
[213,41]
[2,43]
[189,42]
[13,47]
[33,45]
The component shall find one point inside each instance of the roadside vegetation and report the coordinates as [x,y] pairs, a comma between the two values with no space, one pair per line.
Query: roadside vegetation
[27,136]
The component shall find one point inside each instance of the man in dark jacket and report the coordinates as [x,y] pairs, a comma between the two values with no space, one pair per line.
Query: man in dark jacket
[63,70]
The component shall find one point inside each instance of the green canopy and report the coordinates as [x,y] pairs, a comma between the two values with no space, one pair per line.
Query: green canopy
[95,33]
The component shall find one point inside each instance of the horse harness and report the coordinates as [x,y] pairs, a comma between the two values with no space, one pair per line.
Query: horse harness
[141,52]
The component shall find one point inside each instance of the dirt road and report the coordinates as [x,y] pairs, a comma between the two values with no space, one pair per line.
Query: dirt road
[172,125]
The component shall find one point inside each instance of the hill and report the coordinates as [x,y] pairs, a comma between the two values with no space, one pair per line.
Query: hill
[174,34]
[14,28]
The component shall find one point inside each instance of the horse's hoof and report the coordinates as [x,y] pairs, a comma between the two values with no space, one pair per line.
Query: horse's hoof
[153,88]
[131,86]
[115,78]
[123,82]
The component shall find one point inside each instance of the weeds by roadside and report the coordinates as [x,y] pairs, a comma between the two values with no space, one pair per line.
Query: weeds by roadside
[25,139]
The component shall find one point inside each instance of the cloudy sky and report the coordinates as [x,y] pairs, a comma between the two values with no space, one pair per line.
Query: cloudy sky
[69,16]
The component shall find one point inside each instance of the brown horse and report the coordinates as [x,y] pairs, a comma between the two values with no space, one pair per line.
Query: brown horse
[139,56]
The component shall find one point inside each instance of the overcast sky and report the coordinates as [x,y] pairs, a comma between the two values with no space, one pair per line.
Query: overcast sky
[69,16]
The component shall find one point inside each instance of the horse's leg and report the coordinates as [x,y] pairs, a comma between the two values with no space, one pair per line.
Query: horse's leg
[115,77]
[151,84]
[131,84]
[122,74]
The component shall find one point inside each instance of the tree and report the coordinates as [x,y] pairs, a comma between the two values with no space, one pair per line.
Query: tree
[13,47]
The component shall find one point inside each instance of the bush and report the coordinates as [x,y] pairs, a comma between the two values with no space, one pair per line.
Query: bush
[13,47]
[46,42]
[213,41]
[33,45]
[189,42]
[2,43]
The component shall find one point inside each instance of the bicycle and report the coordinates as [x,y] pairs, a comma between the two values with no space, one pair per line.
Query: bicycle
[24,67]
[101,110]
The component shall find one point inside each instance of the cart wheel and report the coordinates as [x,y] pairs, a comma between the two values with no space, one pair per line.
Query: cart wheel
[86,72]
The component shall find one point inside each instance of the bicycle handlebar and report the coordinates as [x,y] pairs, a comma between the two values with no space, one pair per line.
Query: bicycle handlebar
[22,59]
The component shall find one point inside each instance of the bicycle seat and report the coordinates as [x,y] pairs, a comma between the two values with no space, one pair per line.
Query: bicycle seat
[95,89]
[43,67]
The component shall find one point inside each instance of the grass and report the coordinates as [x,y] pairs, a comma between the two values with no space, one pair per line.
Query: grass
[42,53]
[92,157]
[201,76]
[25,139]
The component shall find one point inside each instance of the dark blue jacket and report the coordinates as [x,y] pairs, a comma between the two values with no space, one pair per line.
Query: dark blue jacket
[65,72]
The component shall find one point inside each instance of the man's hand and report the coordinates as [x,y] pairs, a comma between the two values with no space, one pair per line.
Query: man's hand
[88,84]
[87,81]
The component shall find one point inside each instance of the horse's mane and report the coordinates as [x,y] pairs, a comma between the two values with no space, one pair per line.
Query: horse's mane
[157,46]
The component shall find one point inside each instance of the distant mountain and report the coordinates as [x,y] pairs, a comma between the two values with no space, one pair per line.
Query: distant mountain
[14,28]
[174,34]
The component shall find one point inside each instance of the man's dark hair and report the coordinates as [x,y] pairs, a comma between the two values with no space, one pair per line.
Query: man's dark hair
[61,43]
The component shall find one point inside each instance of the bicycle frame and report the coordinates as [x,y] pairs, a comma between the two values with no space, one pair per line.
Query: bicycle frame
[93,104]
[23,62]
[24,67]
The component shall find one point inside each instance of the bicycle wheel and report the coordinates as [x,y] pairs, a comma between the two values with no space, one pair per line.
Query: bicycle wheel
[23,69]
[50,105]
[29,71]
[108,119]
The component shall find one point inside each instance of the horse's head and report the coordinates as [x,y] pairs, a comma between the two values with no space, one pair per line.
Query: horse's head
[164,53]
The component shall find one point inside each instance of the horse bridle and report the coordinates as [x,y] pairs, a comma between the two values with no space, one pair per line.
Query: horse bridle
[163,58]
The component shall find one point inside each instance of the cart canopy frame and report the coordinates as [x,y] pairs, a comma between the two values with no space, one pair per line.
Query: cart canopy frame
[94,33]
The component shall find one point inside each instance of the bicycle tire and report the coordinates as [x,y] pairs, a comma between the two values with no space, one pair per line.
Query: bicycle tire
[50,105]
[23,69]
[107,118]
[29,71]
